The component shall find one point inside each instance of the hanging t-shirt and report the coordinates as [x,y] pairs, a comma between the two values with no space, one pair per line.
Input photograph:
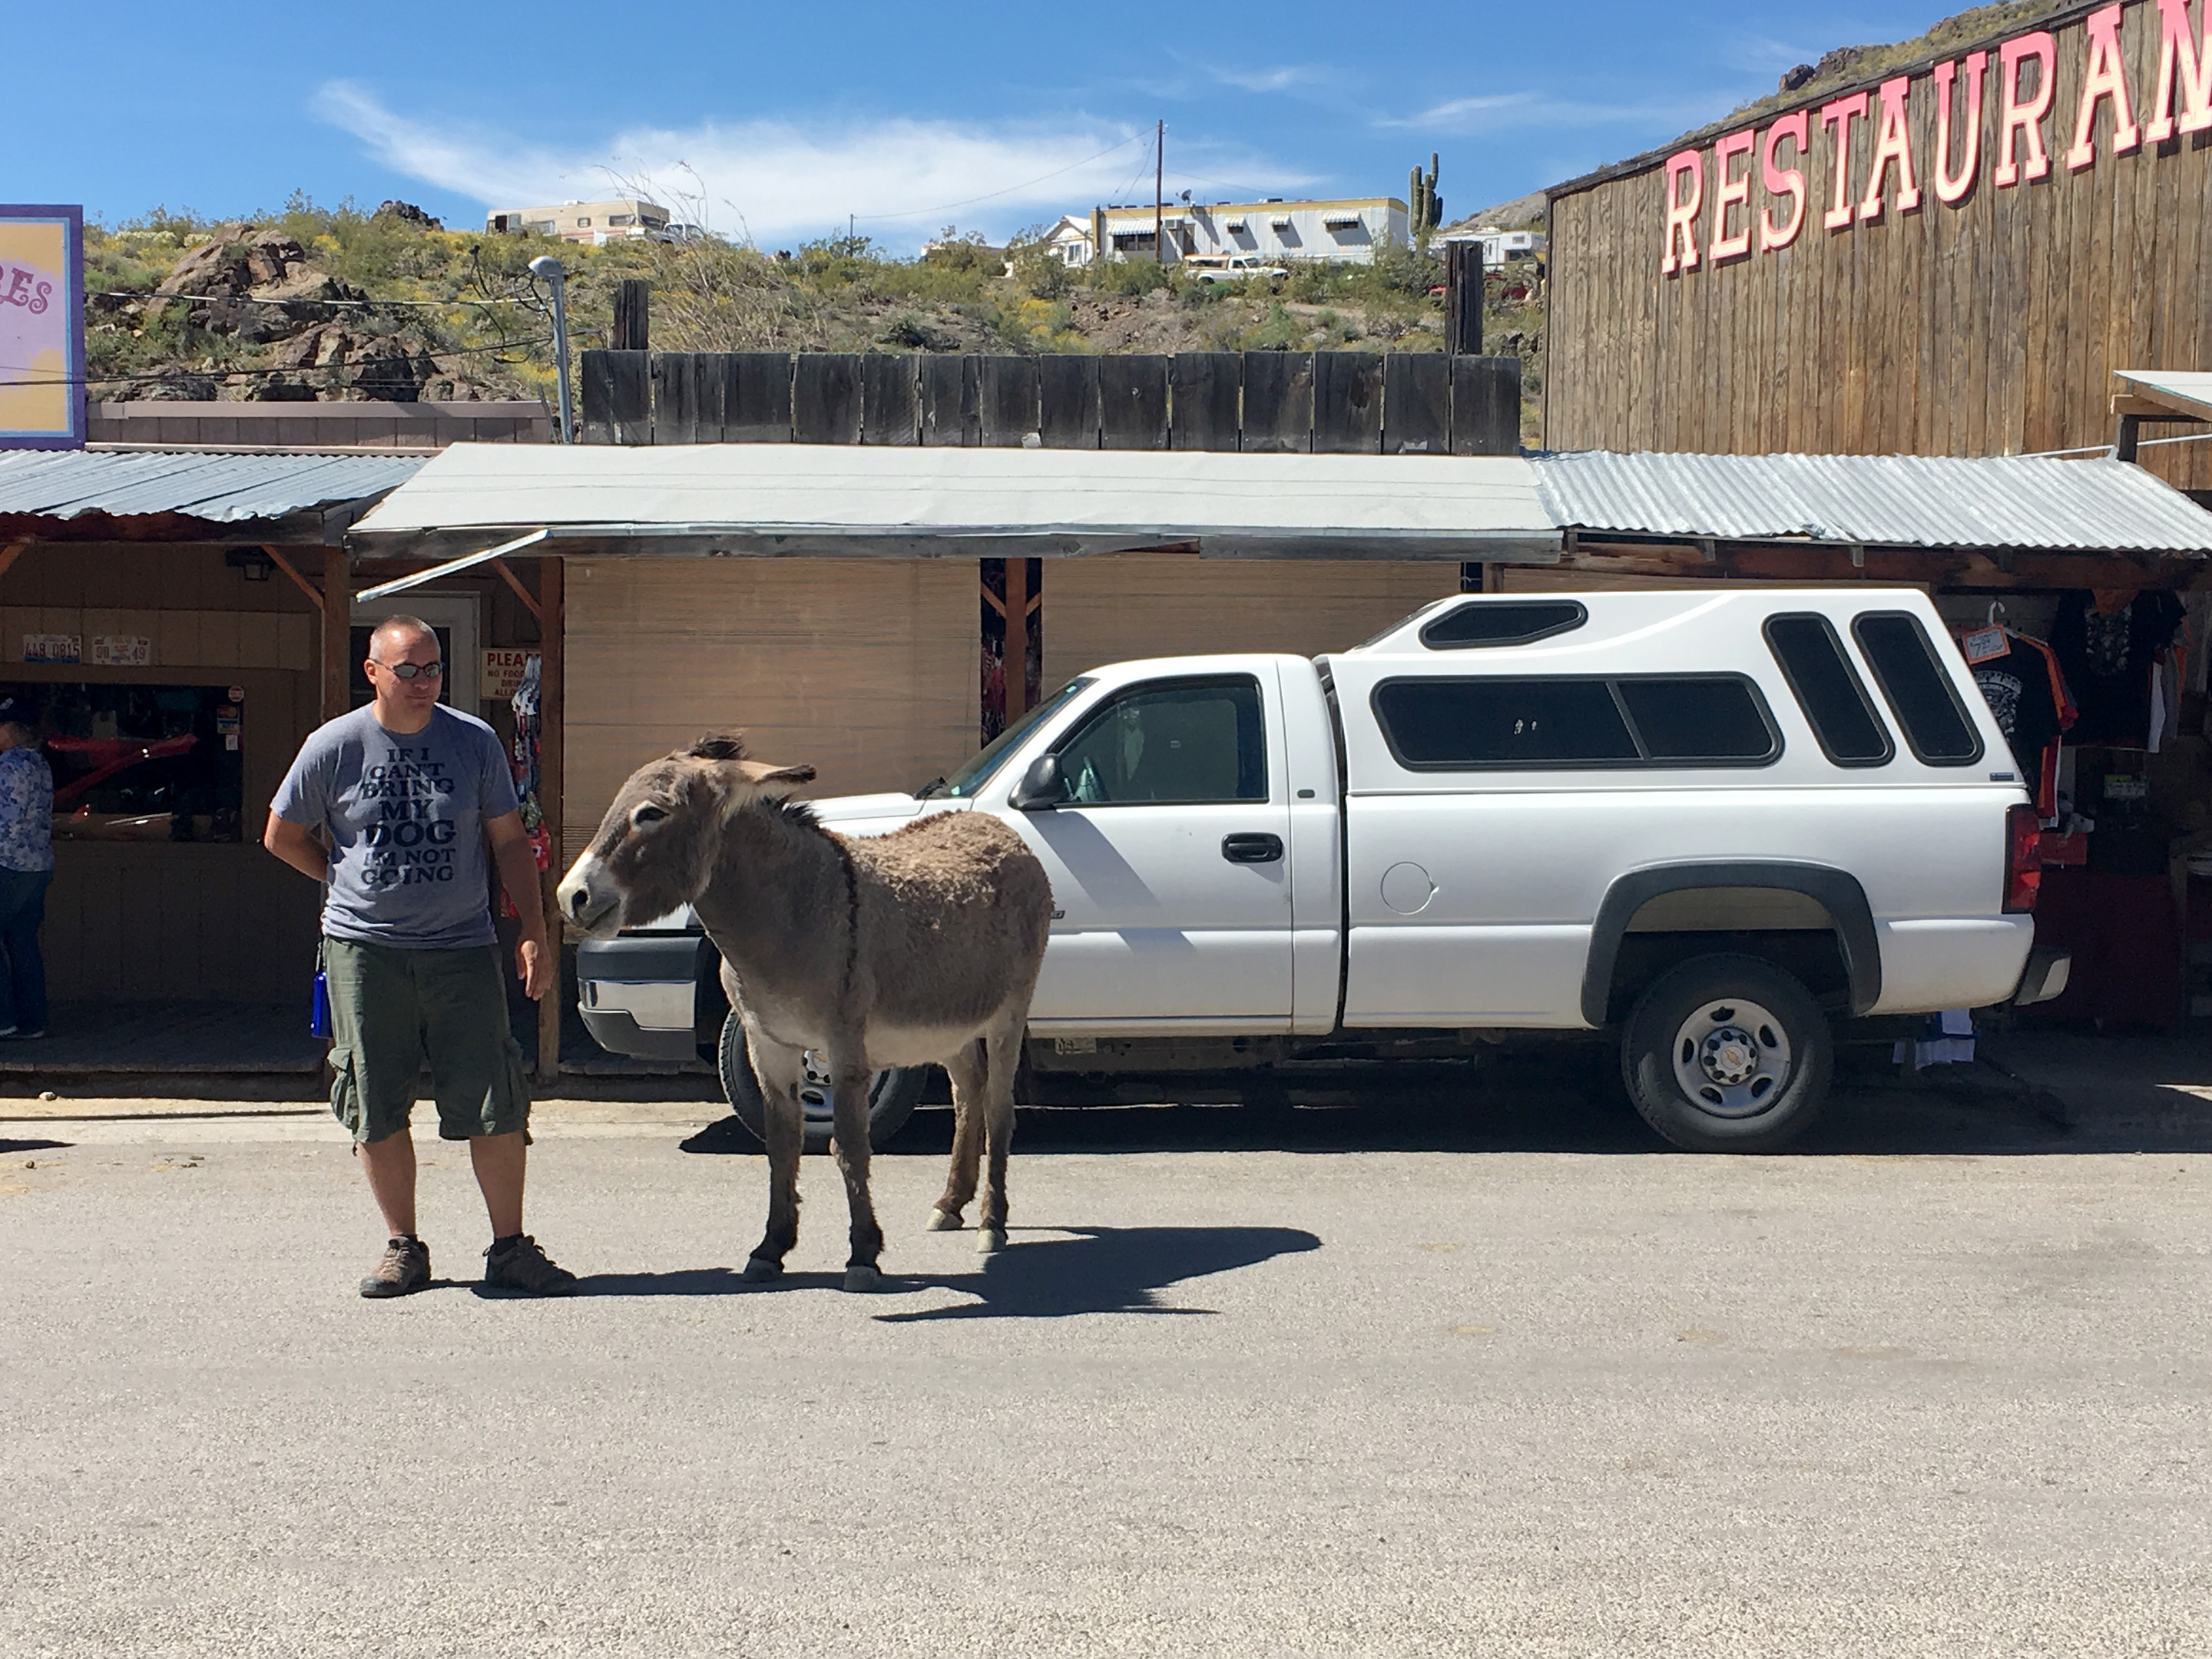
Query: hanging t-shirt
[2107,658]
[2017,688]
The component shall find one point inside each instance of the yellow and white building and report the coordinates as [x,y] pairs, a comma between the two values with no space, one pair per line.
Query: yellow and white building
[1346,231]
[595,222]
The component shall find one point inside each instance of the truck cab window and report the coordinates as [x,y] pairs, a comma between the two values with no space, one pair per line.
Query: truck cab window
[1183,741]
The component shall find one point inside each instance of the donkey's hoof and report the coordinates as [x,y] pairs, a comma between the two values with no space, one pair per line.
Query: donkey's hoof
[942,1220]
[863,1279]
[989,1241]
[759,1270]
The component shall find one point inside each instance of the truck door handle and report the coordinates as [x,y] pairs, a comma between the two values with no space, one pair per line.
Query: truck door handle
[1252,848]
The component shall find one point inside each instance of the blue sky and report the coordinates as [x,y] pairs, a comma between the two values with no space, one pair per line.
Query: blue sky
[777,121]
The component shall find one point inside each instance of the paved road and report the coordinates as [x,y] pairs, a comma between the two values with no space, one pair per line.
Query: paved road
[1420,1378]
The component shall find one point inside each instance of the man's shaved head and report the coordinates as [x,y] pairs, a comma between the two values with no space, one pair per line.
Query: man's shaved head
[398,633]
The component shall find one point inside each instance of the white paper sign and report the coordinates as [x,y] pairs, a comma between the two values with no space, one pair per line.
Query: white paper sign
[503,668]
[1984,643]
[122,651]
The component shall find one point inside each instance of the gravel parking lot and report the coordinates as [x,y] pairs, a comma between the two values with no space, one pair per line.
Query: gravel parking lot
[1479,1374]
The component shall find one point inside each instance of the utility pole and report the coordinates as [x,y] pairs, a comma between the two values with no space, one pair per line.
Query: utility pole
[1159,171]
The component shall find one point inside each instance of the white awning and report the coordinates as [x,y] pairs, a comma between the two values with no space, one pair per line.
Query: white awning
[2185,392]
[847,500]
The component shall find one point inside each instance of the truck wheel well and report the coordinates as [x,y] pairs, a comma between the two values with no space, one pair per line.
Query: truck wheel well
[1811,920]
[1810,955]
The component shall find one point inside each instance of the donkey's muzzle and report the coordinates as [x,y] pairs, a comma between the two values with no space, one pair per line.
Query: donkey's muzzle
[588,911]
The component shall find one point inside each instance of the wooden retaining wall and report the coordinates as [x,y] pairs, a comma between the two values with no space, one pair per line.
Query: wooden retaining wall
[1333,402]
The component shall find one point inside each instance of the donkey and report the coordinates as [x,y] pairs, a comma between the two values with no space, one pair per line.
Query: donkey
[918,947]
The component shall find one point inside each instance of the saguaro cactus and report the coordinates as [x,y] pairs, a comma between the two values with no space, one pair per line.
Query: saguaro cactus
[1428,207]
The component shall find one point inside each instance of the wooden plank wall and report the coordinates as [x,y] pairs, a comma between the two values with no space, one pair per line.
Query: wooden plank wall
[863,668]
[1987,327]
[1164,604]
[1325,402]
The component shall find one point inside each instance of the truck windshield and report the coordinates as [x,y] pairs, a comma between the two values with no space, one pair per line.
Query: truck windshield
[977,772]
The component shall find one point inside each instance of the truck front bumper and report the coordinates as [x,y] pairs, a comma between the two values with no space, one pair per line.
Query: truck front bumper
[638,994]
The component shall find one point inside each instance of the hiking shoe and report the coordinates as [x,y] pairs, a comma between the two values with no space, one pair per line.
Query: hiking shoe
[517,1264]
[403,1269]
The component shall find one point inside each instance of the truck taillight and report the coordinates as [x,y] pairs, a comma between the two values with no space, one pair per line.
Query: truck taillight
[2023,859]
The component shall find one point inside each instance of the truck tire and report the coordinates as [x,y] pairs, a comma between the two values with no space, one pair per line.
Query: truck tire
[1728,1053]
[892,1095]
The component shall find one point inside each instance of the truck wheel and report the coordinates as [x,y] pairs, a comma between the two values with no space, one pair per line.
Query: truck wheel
[892,1094]
[1728,1053]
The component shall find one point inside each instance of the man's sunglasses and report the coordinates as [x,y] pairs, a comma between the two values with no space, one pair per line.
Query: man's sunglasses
[408,671]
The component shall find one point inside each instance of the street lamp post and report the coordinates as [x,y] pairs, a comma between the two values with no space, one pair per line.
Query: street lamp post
[547,269]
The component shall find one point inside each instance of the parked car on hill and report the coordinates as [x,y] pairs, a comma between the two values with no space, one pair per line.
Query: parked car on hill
[1230,267]
[1716,827]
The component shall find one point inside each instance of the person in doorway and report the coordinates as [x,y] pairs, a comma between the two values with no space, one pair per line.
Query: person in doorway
[406,794]
[27,866]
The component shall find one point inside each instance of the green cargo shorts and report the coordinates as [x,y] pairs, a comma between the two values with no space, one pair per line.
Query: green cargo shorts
[393,1010]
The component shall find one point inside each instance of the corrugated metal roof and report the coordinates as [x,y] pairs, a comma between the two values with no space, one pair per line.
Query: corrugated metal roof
[222,489]
[1892,501]
[838,498]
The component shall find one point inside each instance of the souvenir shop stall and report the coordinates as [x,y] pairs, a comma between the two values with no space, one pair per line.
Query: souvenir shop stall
[2102,695]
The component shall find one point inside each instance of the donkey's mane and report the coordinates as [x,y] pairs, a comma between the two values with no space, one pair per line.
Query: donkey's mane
[719,746]
[798,812]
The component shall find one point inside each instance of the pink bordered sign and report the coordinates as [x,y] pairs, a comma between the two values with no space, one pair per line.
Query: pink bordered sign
[41,327]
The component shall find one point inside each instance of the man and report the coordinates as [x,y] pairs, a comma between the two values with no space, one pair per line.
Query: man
[27,866]
[406,791]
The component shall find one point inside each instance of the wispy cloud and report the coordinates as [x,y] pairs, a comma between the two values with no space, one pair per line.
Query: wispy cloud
[776,179]
[1268,80]
[1538,111]
[1760,54]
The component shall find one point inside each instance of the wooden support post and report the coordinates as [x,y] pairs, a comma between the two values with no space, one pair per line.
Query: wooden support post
[277,558]
[529,599]
[337,631]
[551,727]
[1014,656]
[9,553]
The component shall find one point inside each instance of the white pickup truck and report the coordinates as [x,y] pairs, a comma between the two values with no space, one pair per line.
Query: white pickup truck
[1708,824]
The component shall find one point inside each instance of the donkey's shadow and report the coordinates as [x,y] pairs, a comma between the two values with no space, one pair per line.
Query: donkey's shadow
[1098,1270]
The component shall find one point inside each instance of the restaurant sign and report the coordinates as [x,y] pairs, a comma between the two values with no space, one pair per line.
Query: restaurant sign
[1746,190]
[41,327]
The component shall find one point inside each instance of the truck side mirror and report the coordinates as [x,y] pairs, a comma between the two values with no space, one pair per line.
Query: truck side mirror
[1040,789]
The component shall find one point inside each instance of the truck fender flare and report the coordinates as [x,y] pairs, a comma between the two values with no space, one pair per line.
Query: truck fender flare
[1838,891]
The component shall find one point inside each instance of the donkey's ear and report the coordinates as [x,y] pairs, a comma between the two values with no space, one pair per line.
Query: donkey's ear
[775,782]
[719,746]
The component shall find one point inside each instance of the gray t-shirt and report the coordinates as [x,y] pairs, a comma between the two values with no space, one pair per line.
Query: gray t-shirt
[405,816]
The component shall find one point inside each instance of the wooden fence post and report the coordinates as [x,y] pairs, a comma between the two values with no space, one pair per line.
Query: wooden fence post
[631,330]
[1463,299]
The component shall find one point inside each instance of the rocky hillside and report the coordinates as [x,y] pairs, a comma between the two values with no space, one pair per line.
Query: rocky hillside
[315,303]
[1847,65]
